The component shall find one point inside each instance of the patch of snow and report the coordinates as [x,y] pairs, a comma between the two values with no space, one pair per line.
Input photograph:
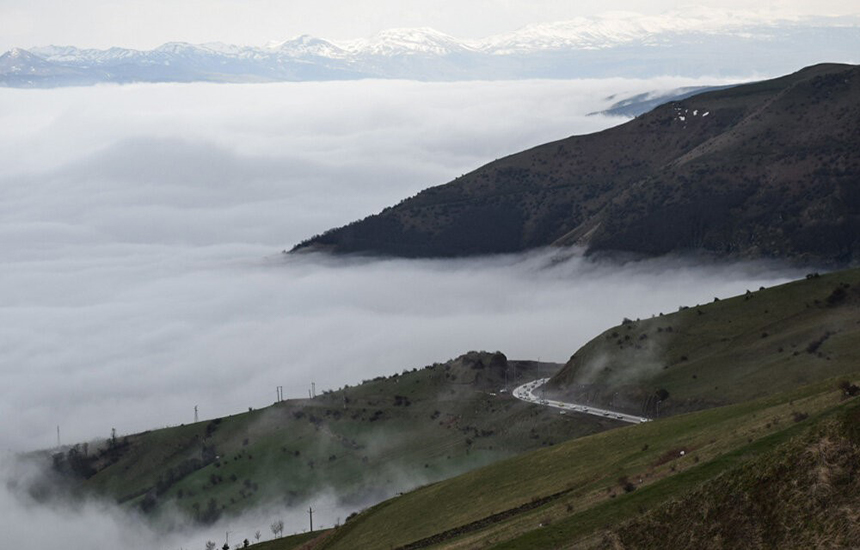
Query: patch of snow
[422,40]
[221,48]
[603,31]
[305,45]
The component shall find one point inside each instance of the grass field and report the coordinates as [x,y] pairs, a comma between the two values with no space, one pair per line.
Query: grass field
[294,542]
[756,371]
[550,497]
[727,351]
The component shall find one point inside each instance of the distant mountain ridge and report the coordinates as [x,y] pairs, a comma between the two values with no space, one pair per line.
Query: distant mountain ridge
[618,45]
[763,170]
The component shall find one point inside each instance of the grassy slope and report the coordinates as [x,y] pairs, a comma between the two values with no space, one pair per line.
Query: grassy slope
[573,491]
[724,352]
[294,542]
[803,494]
[574,487]
[375,447]
[771,382]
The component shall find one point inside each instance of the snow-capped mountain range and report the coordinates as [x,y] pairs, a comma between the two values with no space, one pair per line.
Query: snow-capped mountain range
[705,43]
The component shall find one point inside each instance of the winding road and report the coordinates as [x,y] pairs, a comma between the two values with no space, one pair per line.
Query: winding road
[526,392]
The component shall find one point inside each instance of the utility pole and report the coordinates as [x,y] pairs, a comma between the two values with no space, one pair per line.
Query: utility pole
[195,414]
[311,514]
[58,435]
[314,388]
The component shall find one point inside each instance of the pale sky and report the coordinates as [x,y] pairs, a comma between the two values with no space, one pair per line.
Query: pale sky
[145,24]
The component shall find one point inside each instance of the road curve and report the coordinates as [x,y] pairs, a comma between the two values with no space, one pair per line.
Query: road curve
[526,393]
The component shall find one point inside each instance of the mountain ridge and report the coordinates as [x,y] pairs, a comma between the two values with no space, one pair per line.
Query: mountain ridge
[599,46]
[761,170]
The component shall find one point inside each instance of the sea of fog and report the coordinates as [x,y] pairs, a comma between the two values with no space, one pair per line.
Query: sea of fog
[141,230]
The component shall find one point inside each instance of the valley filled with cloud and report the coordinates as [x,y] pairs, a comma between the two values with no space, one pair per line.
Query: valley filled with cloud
[142,231]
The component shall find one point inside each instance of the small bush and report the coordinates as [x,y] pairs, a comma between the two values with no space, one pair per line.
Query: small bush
[848,389]
[626,484]
[838,295]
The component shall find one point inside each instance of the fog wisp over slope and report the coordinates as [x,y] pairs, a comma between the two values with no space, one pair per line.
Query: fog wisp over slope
[76,522]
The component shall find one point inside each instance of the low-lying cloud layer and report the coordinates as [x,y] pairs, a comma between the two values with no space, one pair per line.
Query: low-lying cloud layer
[73,523]
[141,229]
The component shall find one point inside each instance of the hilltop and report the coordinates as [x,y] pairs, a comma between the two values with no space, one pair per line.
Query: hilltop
[728,351]
[763,170]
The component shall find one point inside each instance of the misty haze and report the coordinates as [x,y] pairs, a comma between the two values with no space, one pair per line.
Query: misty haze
[143,229]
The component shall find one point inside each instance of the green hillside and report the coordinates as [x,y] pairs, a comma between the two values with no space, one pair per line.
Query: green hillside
[756,396]
[728,351]
[787,389]
[367,443]
[583,491]
[803,494]
[304,541]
